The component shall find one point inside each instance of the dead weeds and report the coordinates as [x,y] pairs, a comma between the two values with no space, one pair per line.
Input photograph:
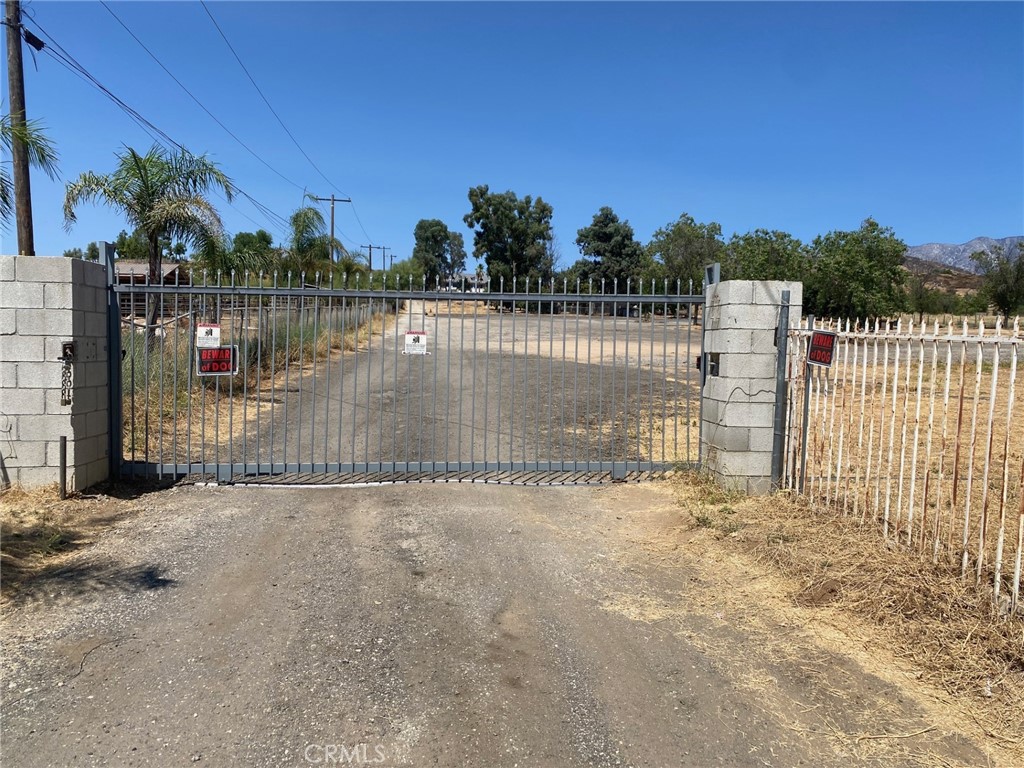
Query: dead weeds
[947,628]
[39,531]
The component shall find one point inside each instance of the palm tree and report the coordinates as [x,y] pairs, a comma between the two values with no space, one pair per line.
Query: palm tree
[310,249]
[160,193]
[41,154]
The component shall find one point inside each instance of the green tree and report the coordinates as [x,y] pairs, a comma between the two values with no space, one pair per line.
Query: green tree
[614,252]
[92,251]
[580,272]
[1002,276]
[857,273]
[438,253]
[41,154]
[405,274]
[246,253]
[259,242]
[764,255]
[513,235]
[161,193]
[921,299]
[74,253]
[133,246]
[685,247]
[310,246]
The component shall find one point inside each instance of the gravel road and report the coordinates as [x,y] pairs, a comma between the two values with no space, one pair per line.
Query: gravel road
[422,625]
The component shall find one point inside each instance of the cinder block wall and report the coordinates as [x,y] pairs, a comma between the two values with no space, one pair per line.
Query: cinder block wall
[44,302]
[739,402]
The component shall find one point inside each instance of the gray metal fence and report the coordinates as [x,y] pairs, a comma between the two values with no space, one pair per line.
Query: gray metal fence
[526,383]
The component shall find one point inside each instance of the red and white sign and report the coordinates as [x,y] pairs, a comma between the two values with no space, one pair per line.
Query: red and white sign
[823,345]
[415,343]
[217,361]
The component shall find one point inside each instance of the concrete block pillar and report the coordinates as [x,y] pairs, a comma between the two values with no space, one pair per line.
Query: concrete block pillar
[45,302]
[739,379]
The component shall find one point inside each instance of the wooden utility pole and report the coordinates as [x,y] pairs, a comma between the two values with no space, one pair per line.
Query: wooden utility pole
[382,249]
[369,261]
[333,200]
[19,152]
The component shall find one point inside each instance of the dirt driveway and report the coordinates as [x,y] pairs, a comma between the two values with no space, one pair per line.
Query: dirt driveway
[441,625]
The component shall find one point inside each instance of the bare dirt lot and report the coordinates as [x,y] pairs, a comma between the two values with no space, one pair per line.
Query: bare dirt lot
[645,625]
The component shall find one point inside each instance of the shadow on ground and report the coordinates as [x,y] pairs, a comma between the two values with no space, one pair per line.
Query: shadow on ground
[53,585]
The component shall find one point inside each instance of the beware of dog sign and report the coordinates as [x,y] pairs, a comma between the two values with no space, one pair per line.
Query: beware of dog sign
[823,345]
[217,361]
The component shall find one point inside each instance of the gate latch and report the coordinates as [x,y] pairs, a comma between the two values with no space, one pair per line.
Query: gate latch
[67,356]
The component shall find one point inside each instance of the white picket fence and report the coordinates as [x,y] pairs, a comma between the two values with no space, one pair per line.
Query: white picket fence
[917,428]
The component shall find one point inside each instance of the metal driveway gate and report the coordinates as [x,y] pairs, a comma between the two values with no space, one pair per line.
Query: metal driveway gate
[311,383]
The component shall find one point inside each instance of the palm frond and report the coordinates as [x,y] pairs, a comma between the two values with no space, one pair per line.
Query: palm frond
[90,188]
[198,174]
[42,153]
[6,198]
[192,219]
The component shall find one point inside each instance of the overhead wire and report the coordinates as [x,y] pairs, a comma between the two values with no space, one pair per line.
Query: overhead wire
[195,99]
[280,121]
[263,96]
[63,57]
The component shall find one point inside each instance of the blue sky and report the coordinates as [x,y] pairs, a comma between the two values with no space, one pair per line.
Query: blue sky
[804,117]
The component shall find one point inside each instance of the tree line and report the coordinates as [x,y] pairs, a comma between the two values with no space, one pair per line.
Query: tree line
[858,273]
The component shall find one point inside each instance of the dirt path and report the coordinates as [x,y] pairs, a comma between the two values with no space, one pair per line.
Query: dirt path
[450,625]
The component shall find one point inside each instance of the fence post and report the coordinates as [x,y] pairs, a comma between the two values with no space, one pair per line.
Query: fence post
[807,408]
[782,347]
[115,413]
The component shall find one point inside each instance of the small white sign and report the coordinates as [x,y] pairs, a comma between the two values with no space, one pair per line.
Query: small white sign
[415,343]
[207,335]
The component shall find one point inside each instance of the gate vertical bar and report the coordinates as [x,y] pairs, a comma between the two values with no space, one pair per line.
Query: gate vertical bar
[329,328]
[115,407]
[807,407]
[782,347]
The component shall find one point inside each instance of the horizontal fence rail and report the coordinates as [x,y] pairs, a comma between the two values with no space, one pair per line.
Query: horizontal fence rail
[918,429]
[378,382]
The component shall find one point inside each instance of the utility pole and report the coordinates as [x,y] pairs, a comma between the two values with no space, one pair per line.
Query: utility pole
[333,200]
[370,248]
[19,152]
[383,255]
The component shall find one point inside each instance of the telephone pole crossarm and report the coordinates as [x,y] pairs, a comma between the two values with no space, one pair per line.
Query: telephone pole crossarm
[332,199]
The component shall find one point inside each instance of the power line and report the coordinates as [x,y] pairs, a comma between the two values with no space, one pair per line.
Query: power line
[360,221]
[195,99]
[60,55]
[279,120]
[262,96]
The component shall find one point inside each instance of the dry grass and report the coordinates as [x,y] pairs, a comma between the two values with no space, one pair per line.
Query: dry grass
[944,627]
[439,308]
[157,419]
[866,456]
[39,531]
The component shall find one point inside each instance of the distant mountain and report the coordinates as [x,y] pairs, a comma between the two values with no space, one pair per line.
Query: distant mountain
[942,276]
[959,256]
